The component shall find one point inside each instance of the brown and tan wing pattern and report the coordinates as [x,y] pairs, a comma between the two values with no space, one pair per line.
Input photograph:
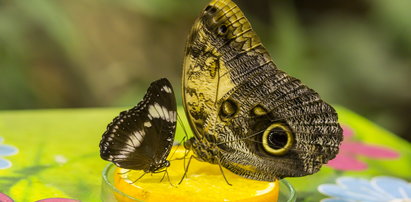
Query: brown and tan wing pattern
[246,114]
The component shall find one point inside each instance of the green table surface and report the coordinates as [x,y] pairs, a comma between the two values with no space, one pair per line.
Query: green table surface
[58,154]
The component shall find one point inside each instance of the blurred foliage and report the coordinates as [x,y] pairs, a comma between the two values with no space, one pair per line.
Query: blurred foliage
[93,53]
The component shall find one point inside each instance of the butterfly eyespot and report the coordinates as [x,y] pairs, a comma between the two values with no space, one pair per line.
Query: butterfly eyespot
[277,139]
[222,30]
[210,9]
[259,111]
[228,109]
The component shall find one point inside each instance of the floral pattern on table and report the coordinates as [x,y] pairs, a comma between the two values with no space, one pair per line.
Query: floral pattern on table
[5,198]
[378,189]
[6,150]
[56,160]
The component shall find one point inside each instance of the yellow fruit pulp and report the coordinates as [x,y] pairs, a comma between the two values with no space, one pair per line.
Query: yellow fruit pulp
[204,183]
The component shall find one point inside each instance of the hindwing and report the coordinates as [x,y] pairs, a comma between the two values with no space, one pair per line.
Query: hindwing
[141,137]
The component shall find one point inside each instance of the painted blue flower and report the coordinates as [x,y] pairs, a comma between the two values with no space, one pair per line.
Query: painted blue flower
[378,189]
[6,150]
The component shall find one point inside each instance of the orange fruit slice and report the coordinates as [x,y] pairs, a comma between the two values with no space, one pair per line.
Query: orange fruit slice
[204,183]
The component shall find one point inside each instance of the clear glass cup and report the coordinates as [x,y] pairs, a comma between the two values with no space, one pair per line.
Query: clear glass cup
[287,192]
[109,193]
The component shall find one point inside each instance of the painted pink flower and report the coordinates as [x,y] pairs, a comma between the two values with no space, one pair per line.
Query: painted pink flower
[5,198]
[350,150]
[58,200]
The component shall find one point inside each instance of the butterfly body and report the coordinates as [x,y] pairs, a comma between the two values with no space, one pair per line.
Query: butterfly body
[246,114]
[141,137]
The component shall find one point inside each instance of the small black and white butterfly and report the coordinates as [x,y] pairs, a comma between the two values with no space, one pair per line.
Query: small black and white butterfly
[141,137]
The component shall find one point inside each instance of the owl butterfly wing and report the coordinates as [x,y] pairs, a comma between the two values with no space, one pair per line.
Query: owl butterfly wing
[141,137]
[265,123]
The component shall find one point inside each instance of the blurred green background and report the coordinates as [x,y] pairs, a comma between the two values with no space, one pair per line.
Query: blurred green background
[101,53]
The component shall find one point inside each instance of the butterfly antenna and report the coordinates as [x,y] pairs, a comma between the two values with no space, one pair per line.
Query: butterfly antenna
[243,138]
[253,135]
[186,151]
[175,150]
[186,169]
[185,138]
[180,122]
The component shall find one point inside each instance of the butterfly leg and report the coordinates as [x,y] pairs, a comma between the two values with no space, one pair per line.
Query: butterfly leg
[186,169]
[165,174]
[138,178]
[180,122]
[168,177]
[162,178]
[222,172]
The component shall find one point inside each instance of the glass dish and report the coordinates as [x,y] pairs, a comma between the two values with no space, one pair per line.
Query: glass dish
[109,193]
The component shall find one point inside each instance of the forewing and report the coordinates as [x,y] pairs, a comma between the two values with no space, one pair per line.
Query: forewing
[222,52]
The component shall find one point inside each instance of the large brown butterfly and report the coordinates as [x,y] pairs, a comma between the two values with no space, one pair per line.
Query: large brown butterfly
[246,114]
